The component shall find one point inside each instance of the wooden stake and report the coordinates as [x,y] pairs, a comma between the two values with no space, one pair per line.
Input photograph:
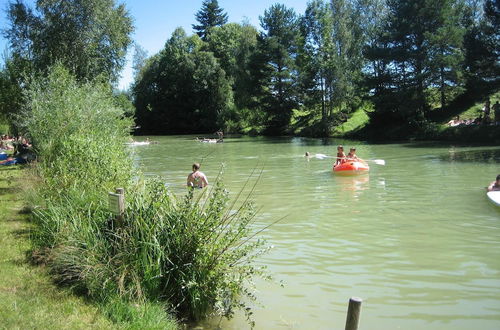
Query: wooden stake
[353,312]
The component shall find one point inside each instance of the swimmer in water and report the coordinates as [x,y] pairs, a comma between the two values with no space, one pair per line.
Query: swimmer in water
[495,185]
[197,179]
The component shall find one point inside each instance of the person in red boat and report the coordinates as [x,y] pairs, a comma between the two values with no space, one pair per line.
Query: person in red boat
[340,156]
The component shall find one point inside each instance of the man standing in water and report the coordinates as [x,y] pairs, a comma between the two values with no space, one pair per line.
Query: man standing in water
[197,179]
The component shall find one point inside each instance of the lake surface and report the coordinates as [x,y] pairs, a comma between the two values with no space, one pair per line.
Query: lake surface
[417,239]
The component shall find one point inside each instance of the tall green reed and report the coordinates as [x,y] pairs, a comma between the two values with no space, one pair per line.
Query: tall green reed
[193,255]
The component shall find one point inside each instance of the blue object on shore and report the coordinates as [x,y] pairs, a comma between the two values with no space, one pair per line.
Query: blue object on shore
[10,162]
[3,156]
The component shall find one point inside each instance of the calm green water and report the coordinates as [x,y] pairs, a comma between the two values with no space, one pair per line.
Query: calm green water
[417,239]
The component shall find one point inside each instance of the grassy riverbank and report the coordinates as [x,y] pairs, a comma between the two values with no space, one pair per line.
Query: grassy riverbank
[188,256]
[434,128]
[28,298]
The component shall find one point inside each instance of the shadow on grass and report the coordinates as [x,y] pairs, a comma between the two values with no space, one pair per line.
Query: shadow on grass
[8,190]
[21,233]
[9,168]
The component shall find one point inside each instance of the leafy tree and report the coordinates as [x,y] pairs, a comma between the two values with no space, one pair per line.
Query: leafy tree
[123,101]
[316,33]
[89,37]
[233,45]
[274,68]
[374,15]
[209,16]
[332,55]
[414,54]
[182,89]
[139,59]
[445,50]
[12,77]
[482,44]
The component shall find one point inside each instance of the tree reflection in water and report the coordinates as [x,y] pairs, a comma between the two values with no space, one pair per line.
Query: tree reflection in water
[482,156]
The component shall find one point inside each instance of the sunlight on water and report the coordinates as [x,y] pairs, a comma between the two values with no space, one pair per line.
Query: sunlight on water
[417,239]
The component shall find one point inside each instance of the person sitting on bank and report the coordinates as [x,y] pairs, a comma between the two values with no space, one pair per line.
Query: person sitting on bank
[486,110]
[495,185]
[455,122]
[197,179]
[220,136]
[340,156]
[496,112]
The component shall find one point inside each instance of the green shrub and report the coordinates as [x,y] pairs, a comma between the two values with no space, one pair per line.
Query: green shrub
[193,256]
[78,134]
[197,252]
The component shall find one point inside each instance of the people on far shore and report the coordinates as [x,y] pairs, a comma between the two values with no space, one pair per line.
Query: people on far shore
[197,179]
[496,113]
[455,122]
[220,136]
[495,185]
[486,111]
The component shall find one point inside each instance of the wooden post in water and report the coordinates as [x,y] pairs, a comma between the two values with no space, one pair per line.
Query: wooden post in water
[353,312]
[117,204]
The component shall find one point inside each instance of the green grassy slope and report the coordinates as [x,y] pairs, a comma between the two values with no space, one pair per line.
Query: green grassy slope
[28,299]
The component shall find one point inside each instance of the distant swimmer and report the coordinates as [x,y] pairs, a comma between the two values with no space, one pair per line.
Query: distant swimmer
[197,179]
[495,185]
[308,155]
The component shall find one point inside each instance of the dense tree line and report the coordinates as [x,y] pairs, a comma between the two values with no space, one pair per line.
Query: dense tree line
[405,57]
[401,60]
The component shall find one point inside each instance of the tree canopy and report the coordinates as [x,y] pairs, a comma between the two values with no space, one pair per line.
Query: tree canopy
[209,16]
[89,37]
[400,61]
[182,89]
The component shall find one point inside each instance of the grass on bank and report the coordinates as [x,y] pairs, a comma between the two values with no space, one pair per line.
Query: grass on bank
[28,298]
[358,119]
[476,109]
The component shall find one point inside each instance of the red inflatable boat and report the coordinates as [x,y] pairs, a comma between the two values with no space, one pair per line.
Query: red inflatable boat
[351,168]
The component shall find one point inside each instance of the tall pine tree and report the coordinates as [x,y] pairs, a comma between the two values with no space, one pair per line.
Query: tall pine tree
[482,44]
[419,49]
[275,68]
[209,16]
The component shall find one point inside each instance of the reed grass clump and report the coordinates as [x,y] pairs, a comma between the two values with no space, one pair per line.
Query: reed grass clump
[192,256]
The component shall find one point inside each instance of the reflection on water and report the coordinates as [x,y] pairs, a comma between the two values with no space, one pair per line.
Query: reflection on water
[417,238]
[355,183]
[485,156]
